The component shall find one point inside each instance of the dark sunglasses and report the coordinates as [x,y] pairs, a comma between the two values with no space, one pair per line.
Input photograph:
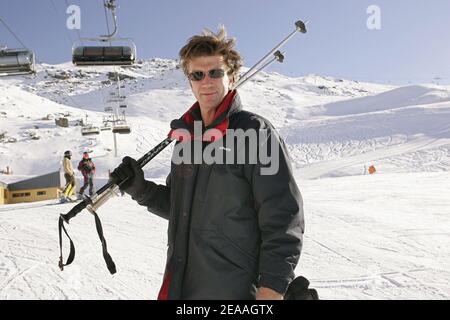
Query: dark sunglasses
[200,75]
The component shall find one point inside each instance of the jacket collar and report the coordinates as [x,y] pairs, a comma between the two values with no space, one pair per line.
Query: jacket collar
[229,105]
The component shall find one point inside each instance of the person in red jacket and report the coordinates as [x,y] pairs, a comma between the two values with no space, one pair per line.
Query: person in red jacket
[87,168]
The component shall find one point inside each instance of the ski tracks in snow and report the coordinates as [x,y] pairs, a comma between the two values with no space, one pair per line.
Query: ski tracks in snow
[322,168]
[390,285]
[29,259]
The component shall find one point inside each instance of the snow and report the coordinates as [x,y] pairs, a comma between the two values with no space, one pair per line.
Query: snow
[381,236]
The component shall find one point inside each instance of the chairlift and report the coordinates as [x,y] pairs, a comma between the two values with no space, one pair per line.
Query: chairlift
[16,61]
[105,55]
[121,127]
[116,99]
[106,126]
[108,109]
[89,130]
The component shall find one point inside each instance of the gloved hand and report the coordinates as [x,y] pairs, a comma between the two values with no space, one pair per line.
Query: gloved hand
[129,177]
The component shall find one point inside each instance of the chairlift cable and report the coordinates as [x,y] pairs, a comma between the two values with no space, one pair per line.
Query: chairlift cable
[66,32]
[18,39]
[70,42]
[15,36]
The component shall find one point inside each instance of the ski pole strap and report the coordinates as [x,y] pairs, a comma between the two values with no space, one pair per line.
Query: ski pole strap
[72,247]
[109,261]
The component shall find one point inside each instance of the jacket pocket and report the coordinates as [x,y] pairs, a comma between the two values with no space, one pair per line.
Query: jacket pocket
[226,249]
[239,248]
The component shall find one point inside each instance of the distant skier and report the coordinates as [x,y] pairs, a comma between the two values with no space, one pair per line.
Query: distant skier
[87,168]
[69,175]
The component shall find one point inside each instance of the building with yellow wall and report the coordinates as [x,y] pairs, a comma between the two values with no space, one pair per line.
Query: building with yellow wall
[3,192]
[39,188]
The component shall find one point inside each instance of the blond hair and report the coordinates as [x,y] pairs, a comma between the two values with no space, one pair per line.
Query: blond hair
[212,44]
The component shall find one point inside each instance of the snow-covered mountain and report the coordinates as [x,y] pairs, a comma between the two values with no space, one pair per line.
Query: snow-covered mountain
[321,118]
[367,236]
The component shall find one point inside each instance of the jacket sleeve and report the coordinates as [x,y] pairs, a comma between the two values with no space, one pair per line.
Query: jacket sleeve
[156,198]
[279,206]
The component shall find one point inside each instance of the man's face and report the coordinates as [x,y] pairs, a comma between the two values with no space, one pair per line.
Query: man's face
[209,92]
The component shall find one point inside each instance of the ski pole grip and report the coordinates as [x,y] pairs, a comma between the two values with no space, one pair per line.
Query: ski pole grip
[301,26]
[279,56]
[74,211]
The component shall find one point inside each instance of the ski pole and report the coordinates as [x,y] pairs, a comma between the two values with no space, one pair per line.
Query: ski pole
[277,56]
[300,26]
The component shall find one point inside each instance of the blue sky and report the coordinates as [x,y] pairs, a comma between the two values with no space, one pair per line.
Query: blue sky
[412,45]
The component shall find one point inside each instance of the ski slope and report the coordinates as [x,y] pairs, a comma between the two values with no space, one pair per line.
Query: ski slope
[381,236]
[367,237]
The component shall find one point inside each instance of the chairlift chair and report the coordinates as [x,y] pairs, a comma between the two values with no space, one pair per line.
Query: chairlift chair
[121,127]
[123,110]
[105,126]
[89,130]
[116,99]
[104,55]
[16,61]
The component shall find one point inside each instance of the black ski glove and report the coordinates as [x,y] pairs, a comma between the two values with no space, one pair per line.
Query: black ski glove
[129,177]
[299,290]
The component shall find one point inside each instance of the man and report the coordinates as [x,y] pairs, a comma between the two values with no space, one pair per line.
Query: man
[87,168]
[234,232]
[69,175]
